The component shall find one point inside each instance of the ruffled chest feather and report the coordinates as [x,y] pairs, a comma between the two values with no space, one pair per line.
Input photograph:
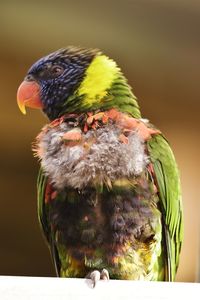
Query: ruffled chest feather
[77,151]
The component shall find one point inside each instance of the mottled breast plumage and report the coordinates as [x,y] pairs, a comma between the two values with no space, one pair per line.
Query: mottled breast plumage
[98,149]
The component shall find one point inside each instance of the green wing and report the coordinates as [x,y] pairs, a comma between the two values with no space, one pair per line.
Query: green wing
[41,187]
[167,178]
[43,219]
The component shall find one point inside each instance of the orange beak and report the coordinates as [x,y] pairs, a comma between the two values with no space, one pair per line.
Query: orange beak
[28,94]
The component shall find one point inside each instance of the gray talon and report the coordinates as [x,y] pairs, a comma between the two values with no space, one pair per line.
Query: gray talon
[95,277]
[105,274]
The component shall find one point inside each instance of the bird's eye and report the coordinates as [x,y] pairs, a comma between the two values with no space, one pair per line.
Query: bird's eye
[50,72]
[56,71]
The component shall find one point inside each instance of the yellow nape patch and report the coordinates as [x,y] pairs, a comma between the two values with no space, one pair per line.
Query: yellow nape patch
[99,78]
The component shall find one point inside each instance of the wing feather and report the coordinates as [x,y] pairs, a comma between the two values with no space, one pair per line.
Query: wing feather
[43,220]
[168,183]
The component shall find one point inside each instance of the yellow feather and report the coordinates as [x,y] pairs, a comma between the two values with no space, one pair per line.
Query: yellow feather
[99,78]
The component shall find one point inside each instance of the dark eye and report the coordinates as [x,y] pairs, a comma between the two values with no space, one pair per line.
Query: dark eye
[56,71]
[50,72]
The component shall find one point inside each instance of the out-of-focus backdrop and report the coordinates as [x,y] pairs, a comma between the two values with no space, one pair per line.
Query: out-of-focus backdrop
[157,45]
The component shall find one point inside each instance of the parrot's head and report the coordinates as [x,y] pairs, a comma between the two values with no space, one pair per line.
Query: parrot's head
[72,79]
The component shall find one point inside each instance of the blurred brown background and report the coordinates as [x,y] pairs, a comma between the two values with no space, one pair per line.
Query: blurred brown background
[157,44]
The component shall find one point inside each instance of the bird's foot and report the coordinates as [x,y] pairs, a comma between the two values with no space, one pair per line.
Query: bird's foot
[105,274]
[96,275]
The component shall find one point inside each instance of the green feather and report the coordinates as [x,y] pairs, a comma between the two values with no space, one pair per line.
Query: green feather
[41,185]
[43,220]
[168,182]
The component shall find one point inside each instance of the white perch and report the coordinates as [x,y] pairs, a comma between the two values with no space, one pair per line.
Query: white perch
[23,288]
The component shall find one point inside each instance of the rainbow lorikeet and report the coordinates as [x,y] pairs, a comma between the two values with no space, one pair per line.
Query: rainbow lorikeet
[109,199]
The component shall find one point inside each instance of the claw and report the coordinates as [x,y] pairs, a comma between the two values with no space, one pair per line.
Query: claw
[105,274]
[95,277]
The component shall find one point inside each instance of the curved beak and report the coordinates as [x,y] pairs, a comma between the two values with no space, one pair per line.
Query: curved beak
[28,94]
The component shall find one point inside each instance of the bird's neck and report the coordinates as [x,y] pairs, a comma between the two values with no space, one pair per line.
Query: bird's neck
[121,97]
[104,87]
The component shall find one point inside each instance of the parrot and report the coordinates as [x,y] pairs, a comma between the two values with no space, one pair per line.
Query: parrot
[108,189]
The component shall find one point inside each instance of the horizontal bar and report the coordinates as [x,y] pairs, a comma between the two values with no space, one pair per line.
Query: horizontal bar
[23,288]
